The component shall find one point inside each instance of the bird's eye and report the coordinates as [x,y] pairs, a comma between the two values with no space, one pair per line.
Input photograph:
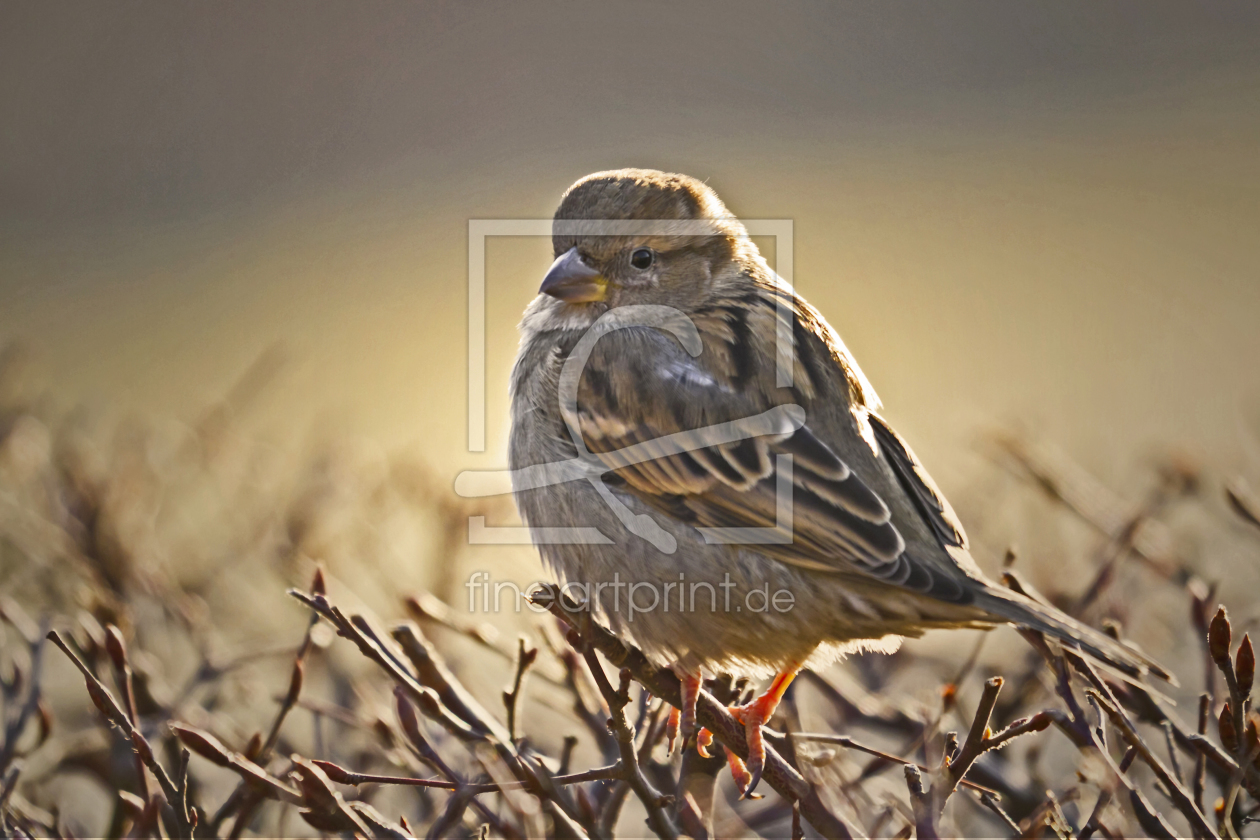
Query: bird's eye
[642,258]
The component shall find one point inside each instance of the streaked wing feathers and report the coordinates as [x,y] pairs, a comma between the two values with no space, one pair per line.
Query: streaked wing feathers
[686,471]
[918,485]
[837,520]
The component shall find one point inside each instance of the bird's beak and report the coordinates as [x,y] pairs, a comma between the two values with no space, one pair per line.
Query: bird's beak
[573,281]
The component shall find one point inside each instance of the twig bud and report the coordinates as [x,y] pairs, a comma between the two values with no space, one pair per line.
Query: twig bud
[315,786]
[101,700]
[116,647]
[407,718]
[1225,726]
[1245,666]
[253,748]
[295,683]
[336,772]
[1219,638]
[203,744]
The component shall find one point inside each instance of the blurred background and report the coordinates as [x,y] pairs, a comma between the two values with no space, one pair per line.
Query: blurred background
[1044,211]
[233,261]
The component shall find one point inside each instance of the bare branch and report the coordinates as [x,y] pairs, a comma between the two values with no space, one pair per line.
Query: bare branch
[617,699]
[113,713]
[976,736]
[709,713]
[525,657]
[921,803]
[1181,798]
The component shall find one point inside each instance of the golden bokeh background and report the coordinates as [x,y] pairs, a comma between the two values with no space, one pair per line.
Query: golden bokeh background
[1034,216]
[233,289]
[1042,212]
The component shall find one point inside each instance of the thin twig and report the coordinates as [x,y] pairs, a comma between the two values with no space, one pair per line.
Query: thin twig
[17,725]
[1181,798]
[1170,744]
[1077,728]
[974,745]
[525,657]
[921,804]
[849,743]
[1200,758]
[1092,824]
[1231,795]
[244,802]
[109,707]
[342,776]
[709,713]
[117,649]
[617,700]
[990,801]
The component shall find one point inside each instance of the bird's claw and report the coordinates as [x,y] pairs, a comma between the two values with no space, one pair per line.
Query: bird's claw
[752,716]
[676,731]
[704,739]
[739,772]
[682,722]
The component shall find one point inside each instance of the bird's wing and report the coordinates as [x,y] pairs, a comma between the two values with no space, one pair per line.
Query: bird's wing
[663,425]
[919,486]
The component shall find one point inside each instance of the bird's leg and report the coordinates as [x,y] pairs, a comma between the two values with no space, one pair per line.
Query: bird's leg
[683,720]
[753,715]
[671,729]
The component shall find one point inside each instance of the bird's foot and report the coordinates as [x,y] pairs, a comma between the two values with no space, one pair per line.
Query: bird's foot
[747,774]
[682,721]
[739,772]
[753,715]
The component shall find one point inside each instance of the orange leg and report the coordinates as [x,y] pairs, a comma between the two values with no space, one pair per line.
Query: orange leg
[753,715]
[671,729]
[683,721]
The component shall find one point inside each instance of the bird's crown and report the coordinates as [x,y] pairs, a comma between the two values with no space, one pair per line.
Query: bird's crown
[625,194]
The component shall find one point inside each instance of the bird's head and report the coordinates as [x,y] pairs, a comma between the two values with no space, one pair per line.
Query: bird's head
[638,236]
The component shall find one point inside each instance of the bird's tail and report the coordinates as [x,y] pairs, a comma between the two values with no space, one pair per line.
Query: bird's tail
[1025,611]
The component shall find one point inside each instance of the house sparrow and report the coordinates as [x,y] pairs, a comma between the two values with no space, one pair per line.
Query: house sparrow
[754,514]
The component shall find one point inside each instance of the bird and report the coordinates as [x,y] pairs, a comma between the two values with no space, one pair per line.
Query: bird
[747,508]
